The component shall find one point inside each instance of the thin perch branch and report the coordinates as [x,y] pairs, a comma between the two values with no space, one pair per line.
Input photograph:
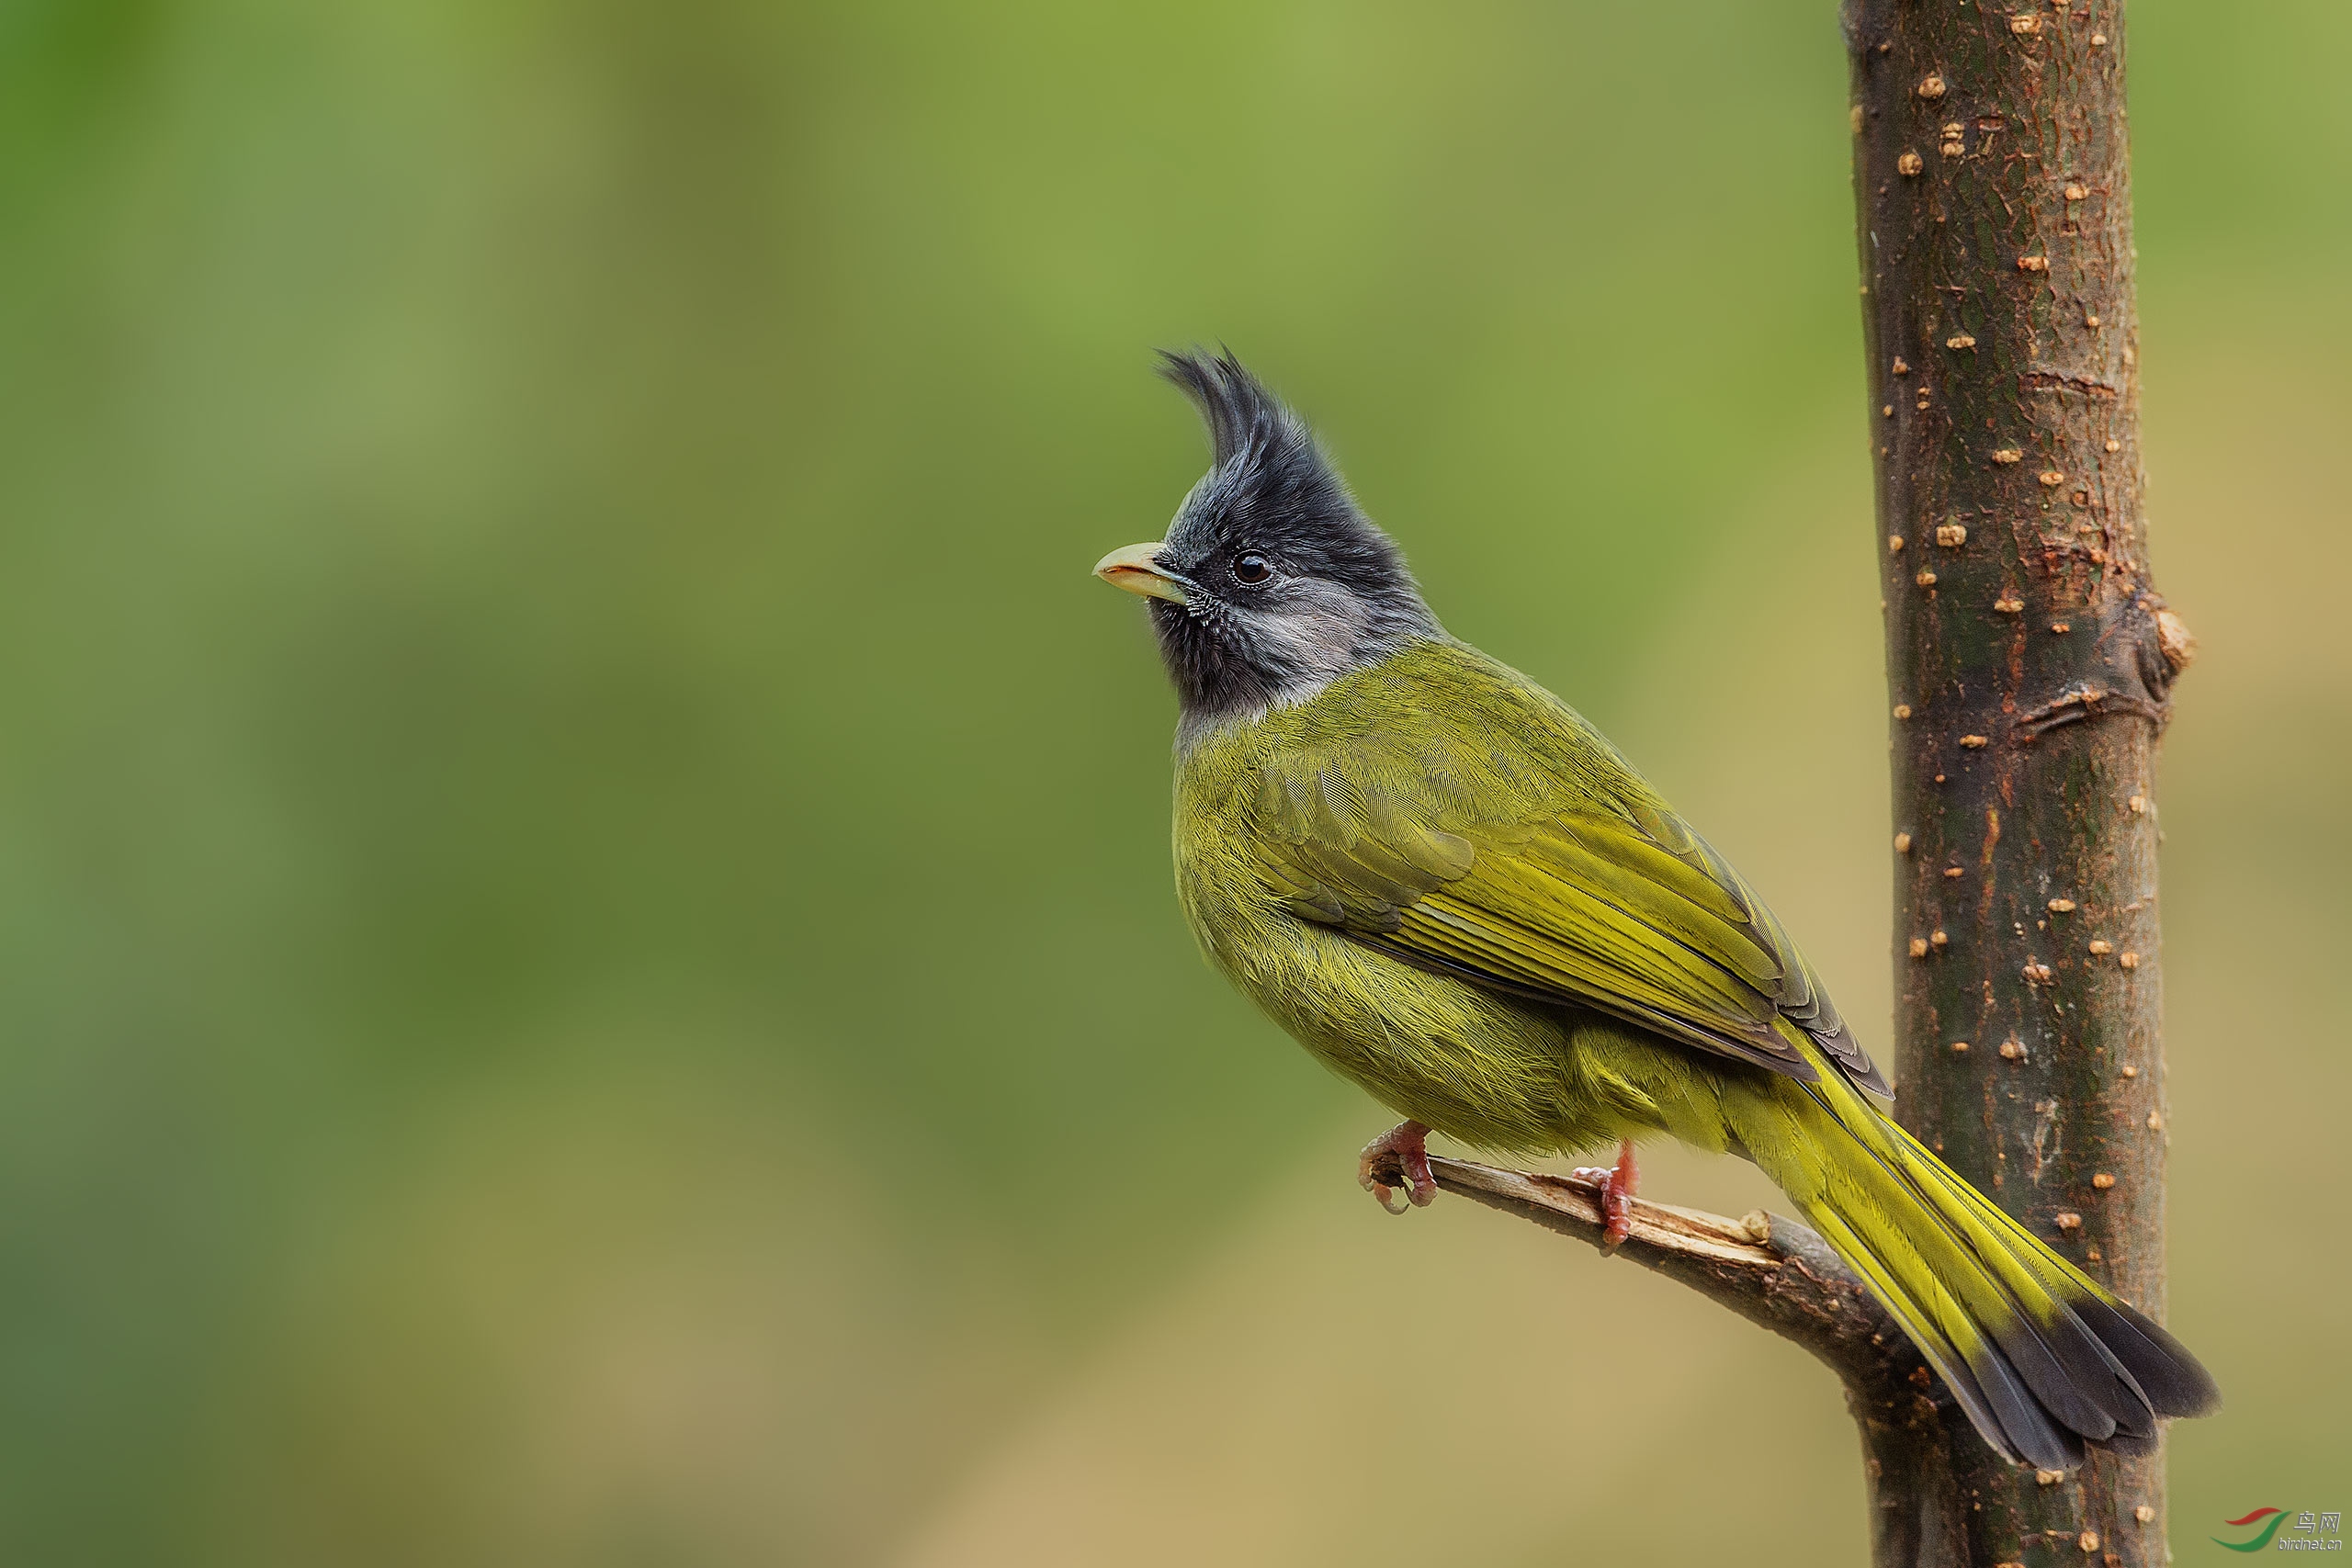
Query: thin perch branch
[1767,1267]
[1779,1276]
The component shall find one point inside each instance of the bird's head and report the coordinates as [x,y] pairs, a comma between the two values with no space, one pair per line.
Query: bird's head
[1270,583]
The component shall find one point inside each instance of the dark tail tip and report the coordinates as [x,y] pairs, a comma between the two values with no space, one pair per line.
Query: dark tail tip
[2176,1382]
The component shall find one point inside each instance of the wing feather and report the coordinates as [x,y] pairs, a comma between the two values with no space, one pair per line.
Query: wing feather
[1577,887]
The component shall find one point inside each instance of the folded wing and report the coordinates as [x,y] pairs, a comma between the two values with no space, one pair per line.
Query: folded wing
[1581,889]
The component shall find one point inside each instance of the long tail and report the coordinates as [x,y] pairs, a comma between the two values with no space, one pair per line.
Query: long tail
[2042,1358]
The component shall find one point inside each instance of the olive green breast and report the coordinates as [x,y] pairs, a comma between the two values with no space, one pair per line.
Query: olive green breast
[1467,1061]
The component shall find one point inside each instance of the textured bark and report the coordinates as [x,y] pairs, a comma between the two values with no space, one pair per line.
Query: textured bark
[2029,660]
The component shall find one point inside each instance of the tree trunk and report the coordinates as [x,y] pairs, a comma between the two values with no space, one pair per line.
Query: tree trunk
[2029,660]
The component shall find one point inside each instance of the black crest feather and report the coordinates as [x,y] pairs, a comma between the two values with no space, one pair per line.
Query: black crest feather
[1245,420]
[1272,486]
[1331,593]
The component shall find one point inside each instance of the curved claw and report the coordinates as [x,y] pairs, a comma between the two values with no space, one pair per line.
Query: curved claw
[1398,1157]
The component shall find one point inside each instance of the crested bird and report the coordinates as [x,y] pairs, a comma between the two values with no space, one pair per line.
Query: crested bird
[1454,891]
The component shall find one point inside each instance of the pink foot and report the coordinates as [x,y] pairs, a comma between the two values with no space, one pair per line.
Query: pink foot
[1617,1185]
[1404,1148]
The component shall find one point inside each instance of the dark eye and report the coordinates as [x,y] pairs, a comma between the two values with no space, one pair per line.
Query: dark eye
[1252,568]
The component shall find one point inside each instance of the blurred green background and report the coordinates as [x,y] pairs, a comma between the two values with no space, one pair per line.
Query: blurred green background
[589,969]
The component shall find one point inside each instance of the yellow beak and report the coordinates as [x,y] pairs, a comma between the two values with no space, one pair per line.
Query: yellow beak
[1136,569]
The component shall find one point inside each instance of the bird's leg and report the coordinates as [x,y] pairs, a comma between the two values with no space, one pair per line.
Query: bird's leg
[1403,1148]
[1617,1183]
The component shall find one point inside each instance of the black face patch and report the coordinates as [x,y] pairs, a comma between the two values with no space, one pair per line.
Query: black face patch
[1289,584]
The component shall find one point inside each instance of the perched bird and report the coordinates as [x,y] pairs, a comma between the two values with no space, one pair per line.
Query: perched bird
[1451,889]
